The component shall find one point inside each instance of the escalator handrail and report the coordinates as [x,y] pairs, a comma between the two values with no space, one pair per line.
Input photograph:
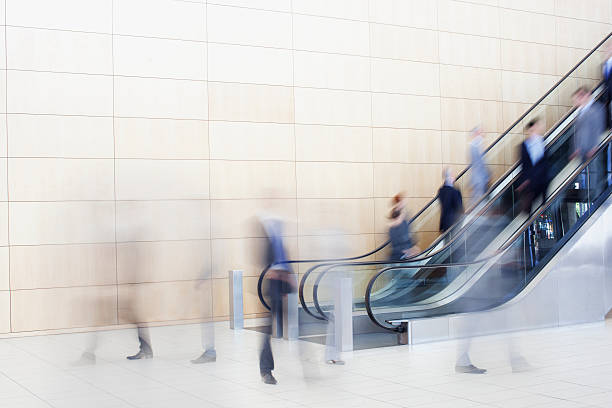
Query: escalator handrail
[524,115]
[433,200]
[520,231]
[419,257]
[501,179]
[299,261]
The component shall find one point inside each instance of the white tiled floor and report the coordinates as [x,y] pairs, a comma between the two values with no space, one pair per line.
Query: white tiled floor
[571,367]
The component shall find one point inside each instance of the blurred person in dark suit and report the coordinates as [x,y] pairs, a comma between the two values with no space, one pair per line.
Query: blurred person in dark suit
[450,200]
[534,161]
[279,283]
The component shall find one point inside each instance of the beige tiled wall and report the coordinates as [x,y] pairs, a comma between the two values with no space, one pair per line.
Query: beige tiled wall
[139,139]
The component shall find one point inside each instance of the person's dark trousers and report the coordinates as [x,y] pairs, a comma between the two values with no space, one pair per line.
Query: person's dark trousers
[145,340]
[606,98]
[266,359]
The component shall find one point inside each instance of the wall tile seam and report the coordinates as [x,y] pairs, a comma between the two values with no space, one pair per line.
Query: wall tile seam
[354,234]
[369,20]
[95,74]
[268,122]
[8,193]
[378,125]
[285,85]
[118,326]
[307,50]
[114,326]
[500,68]
[106,243]
[192,1]
[181,159]
[109,285]
[376,92]
[344,125]
[554,14]
[146,200]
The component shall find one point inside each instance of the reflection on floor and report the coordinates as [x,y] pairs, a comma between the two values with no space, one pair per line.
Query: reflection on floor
[312,333]
[362,341]
[571,367]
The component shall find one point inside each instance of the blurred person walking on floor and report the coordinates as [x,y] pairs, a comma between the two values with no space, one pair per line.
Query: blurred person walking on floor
[534,161]
[480,173]
[451,201]
[208,332]
[279,283]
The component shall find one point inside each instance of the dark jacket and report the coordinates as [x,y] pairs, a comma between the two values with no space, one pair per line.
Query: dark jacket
[537,173]
[452,206]
[606,97]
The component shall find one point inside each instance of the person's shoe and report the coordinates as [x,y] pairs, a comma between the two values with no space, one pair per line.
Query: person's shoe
[269,379]
[142,355]
[204,358]
[469,369]
[335,362]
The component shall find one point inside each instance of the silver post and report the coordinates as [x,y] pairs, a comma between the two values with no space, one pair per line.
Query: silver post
[290,313]
[235,296]
[343,314]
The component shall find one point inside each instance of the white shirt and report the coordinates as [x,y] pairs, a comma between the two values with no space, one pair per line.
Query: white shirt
[535,148]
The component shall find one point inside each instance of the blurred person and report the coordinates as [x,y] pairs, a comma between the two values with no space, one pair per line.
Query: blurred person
[402,245]
[480,173]
[451,201]
[144,339]
[534,161]
[607,80]
[135,312]
[279,284]
[588,128]
[208,333]
[464,362]
[590,123]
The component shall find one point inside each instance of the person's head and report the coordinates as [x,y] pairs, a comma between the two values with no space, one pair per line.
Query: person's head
[399,199]
[475,132]
[448,176]
[581,96]
[398,203]
[535,127]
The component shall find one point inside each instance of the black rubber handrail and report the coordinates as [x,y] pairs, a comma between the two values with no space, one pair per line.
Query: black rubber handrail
[419,257]
[267,268]
[432,201]
[536,214]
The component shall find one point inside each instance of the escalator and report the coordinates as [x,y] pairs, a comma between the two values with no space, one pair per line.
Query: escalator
[493,278]
[452,247]
[427,279]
